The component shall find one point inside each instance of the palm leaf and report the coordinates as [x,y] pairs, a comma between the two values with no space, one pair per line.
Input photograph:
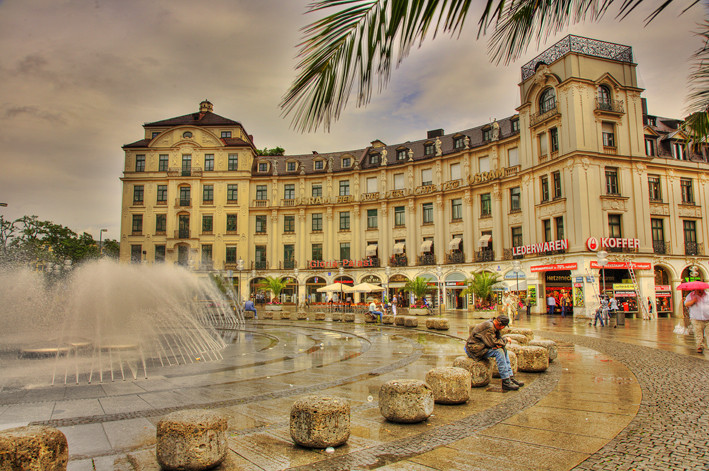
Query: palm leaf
[697,124]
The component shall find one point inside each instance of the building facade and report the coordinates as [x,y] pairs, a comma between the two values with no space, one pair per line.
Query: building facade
[581,167]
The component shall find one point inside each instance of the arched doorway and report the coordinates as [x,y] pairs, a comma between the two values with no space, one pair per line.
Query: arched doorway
[312,285]
[432,294]
[663,292]
[396,286]
[289,293]
[344,281]
[258,295]
[454,284]
[558,284]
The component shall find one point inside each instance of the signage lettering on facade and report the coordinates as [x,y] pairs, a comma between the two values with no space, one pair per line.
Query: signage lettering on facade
[370,196]
[345,199]
[615,265]
[594,244]
[623,287]
[662,288]
[451,185]
[336,263]
[425,189]
[555,267]
[487,176]
[541,247]
[397,194]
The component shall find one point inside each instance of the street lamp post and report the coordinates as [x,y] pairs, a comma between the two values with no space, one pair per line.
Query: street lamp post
[100,240]
[439,272]
[342,271]
[387,271]
[516,266]
[253,277]
[240,267]
[297,287]
[602,262]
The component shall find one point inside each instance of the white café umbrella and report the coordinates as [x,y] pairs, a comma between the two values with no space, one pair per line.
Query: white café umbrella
[331,288]
[365,288]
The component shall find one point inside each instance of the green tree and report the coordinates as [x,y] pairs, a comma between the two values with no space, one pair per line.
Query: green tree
[274,151]
[418,286]
[273,284]
[111,248]
[355,47]
[480,285]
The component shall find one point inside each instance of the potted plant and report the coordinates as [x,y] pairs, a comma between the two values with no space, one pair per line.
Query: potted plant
[480,286]
[274,285]
[419,287]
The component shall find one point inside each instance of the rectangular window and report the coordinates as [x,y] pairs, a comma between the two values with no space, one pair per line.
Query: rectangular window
[346,162]
[649,147]
[615,228]
[374,159]
[206,254]
[137,227]
[485,204]
[427,176]
[207,223]
[231,222]
[183,226]
[398,181]
[208,162]
[556,180]
[484,163]
[686,188]
[457,209]
[226,134]
[653,182]
[372,219]
[608,134]
[208,194]
[232,193]
[316,252]
[289,224]
[344,187]
[140,163]
[261,224]
[515,199]
[290,166]
[458,143]
[428,149]
[159,253]
[233,162]
[544,184]
[546,229]
[612,187]
[162,163]
[136,253]
[559,222]
[289,254]
[678,150]
[317,222]
[542,139]
[487,134]
[690,232]
[658,230]
[344,220]
[401,154]
[316,189]
[319,164]
[138,194]
[515,125]
[184,196]
[230,254]
[186,165]
[554,139]
[455,171]
[427,213]
[262,167]
[517,236]
[289,192]
[160,223]
[399,216]
[344,250]
[513,157]
[162,193]
[372,185]
[261,192]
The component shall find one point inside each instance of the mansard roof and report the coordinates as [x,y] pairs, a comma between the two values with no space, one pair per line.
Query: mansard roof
[206,118]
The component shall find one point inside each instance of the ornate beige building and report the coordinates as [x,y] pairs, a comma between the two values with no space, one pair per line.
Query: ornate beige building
[582,164]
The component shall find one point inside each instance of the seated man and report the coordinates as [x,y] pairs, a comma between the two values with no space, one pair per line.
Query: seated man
[249,306]
[373,310]
[485,341]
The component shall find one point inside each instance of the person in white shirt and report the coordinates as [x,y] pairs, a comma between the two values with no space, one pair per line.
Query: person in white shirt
[551,304]
[698,303]
[374,311]
[394,303]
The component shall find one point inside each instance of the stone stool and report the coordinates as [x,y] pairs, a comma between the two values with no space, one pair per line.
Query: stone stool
[519,338]
[513,364]
[480,370]
[191,440]
[268,314]
[519,330]
[389,319]
[441,324]
[399,320]
[248,314]
[533,359]
[550,345]
[411,321]
[319,316]
[302,316]
[336,316]
[406,400]
[450,385]
[320,421]
[285,314]
[369,319]
[349,317]
[35,447]
[430,323]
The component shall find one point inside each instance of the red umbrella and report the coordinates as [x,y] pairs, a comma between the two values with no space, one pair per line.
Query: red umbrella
[692,285]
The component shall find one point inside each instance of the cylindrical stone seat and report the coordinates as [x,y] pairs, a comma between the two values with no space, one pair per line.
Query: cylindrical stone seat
[431,323]
[513,364]
[480,370]
[441,324]
[268,314]
[349,317]
[519,338]
[369,318]
[399,320]
[248,314]
[191,440]
[406,400]
[301,316]
[533,359]
[450,385]
[320,421]
[284,315]
[411,321]
[319,316]
[519,330]
[550,345]
[35,447]
[336,316]
[388,319]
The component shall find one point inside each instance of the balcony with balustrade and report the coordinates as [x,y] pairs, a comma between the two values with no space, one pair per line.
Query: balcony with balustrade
[455,256]
[693,248]
[399,260]
[485,255]
[427,259]
[660,247]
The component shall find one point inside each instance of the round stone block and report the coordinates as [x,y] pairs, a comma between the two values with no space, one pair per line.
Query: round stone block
[519,338]
[441,324]
[268,314]
[369,319]
[191,440]
[514,347]
[430,323]
[399,320]
[388,319]
[336,317]
[319,316]
[248,314]
[533,359]
[519,330]
[406,400]
[513,363]
[411,321]
[480,370]
[320,421]
[450,385]
[35,447]
[302,316]
[349,317]
[284,315]
[550,345]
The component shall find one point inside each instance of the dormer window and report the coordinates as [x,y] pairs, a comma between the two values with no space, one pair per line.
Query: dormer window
[187,135]
[374,159]
[458,142]
[401,154]
[346,162]
[515,125]
[226,134]
[319,164]
[263,166]
[155,134]
[428,149]
[291,166]
[487,134]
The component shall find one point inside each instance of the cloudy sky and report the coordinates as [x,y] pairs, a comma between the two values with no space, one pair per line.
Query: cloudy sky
[80,77]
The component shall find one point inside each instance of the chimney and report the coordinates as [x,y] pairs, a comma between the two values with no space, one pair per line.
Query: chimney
[643,102]
[435,133]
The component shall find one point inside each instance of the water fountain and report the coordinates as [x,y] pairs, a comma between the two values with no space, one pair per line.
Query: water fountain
[107,320]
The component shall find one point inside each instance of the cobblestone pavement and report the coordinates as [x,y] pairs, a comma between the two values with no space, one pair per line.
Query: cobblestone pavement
[635,397]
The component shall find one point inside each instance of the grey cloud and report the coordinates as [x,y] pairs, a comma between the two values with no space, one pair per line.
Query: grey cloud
[34,112]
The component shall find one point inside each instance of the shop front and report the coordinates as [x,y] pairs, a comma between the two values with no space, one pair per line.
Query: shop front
[454,285]
[289,294]
[312,285]
[557,284]
[396,286]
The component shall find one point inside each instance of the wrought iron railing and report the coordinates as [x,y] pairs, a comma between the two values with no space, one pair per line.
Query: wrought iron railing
[456,256]
[622,250]
[613,106]
[660,246]
[375,261]
[182,234]
[289,264]
[486,255]
[427,259]
[537,118]
[259,265]
[692,248]
[507,255]
[399,260]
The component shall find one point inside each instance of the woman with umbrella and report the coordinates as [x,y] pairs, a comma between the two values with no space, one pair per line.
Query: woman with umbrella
[697,302]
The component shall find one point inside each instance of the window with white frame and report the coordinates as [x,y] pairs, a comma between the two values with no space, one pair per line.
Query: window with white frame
[398,181]
[427,176]
[455,171]
[372,185]
[484,164]
[513,157]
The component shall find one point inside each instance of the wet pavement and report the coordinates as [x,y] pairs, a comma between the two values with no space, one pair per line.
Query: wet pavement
[631,397]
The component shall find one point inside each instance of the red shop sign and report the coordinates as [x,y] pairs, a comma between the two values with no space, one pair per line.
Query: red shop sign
[555,267]
[636,266]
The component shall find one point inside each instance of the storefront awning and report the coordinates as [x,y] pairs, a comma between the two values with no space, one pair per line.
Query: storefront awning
[484,241]
[399,248]
[426,246]
[371,250]
[454,244]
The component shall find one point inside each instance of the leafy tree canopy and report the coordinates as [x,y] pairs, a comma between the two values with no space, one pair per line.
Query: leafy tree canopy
[274,151]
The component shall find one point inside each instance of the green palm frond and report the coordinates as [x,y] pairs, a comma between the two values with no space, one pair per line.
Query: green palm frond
[418,286]
[481,285]
[273,284]
[697,124]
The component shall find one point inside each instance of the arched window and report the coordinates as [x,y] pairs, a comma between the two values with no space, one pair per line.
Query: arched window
[604,97]
[547,100]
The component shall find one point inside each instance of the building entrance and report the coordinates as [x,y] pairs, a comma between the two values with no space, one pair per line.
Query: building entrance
[557,284]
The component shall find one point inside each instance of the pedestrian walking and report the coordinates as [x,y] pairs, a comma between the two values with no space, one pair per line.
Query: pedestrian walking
[394,303]
[698,304]
[551,304]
